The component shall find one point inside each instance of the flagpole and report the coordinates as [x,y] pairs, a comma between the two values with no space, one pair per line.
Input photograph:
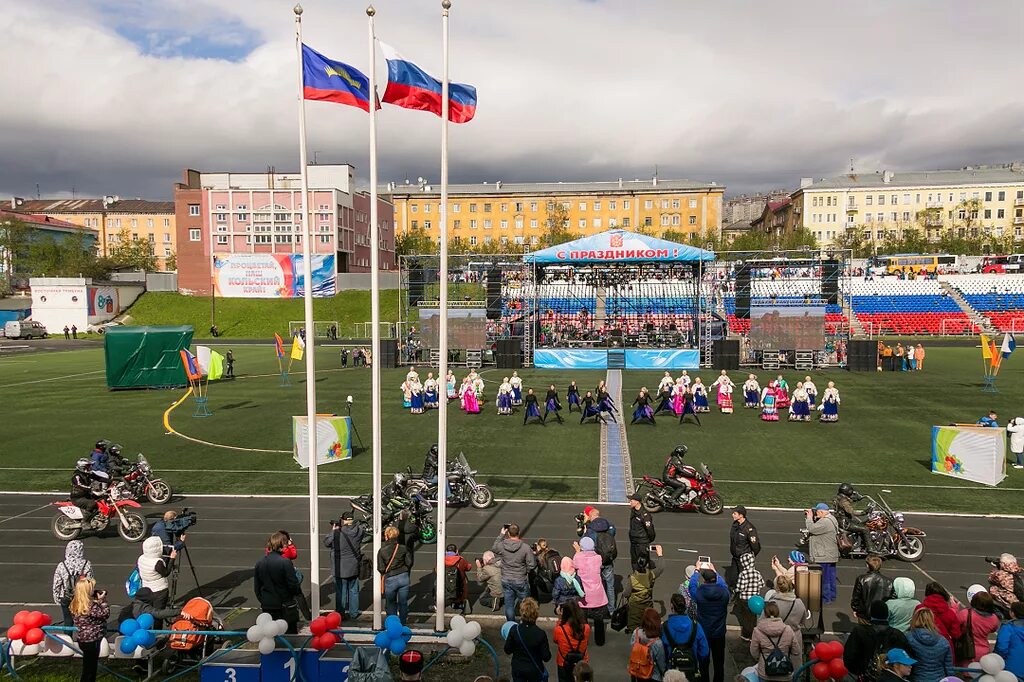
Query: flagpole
[307,274]
[442,414]
[375,438]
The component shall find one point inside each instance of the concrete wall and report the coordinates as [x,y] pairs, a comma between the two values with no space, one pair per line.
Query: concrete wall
[360,281]
[74,301]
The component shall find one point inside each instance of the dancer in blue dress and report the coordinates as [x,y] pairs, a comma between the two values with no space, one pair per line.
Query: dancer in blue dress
[431,399]
[751,392]
[590,409]
[700,396]
[551,404]
[604,402]
[572,396]
[800,408]
[517,389]
[830,404]
[643,412]
[812,392]
[504,399]
[416,405]
[532,408]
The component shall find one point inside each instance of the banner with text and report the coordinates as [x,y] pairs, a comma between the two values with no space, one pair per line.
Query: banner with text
[271,275]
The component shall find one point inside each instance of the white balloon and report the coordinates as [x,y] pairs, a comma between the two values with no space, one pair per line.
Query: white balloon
[992,663]
[457,623]
[254,634]
[104,648]
[468,648]
[282,627]
[472,630]
[455,639]
[263,619]
[267,646]
[986,678]
[1005,676]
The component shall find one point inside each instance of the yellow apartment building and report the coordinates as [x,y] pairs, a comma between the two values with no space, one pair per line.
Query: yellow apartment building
[517,213]
[973,201]
[110,216]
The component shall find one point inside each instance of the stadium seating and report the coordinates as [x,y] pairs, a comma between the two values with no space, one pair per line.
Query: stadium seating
[890,305]
[1000,298]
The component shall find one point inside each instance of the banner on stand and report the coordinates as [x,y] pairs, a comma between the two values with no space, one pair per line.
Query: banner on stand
[333,439]
[971,453]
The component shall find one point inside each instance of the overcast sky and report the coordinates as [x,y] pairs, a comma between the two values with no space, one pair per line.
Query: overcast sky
[118,96]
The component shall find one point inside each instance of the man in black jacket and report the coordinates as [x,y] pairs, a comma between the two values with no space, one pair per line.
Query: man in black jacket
[868,640]
[641,533]
[343,541]
[743,539]
[871,587]
[276,585]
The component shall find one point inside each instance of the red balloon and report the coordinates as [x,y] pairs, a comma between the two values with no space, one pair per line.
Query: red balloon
[820,652]
[16,631]
[34,619]
[325,641]
[318,626]
[837,668]
[33,636]
[19,617]
[47,620]
[821,671]
[333,620]
[837,649]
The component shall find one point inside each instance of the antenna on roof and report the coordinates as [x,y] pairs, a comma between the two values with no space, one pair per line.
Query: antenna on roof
[37,190]
[851,164]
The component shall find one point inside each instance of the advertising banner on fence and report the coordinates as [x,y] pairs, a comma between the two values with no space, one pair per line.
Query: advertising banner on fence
[271,275]
[973,453]
[333,439]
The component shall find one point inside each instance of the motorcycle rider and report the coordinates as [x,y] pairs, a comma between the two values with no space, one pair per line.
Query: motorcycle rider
[116,462]
[430,472]
[82,493]
[677,475]
[99,456]
[849,517]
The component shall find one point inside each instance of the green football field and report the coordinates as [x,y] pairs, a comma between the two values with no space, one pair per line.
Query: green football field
[56,405]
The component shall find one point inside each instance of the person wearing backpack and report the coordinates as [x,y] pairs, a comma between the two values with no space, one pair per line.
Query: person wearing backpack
[647,660]
[868,641]
[641,589]
[571,635]
[712,599]
[456,585]
[66,575]
[775,647]
[528,645]
[603,534]
[684,640]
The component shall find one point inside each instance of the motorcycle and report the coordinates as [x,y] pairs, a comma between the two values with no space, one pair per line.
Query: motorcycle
[393,502]
[114,506]
[138,476]
[703,497]
[890,536]
[461,481]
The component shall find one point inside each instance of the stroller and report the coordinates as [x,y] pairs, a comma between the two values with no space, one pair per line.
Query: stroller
[196,615]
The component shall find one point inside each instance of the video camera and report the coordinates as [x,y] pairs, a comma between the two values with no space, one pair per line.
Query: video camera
[182,522]
[581,524]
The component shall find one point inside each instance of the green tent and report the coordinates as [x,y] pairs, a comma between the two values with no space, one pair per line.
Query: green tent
[145,357]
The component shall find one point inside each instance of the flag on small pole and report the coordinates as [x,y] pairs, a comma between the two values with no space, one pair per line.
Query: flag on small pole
[279,349]
[296,353]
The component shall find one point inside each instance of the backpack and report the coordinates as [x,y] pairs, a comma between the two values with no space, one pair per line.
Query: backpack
[604,545]
[641,664]
[133,583]
[776,662]
[452,582]
[573,656]
[682,656]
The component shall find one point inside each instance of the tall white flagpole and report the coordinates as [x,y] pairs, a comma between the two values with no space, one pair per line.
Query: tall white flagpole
[375,323]
[442,414]
[307,274]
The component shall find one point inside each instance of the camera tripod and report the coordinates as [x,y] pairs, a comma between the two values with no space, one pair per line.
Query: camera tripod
[348,407]
[173,586]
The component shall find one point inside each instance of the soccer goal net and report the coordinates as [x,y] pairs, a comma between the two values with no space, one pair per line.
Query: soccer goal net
[322,329]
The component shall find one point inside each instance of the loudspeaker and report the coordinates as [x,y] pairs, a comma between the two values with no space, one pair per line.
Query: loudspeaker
[416,281]
[387,354]
[725,354]
[830,281]
[512,345]
[743,292]
[494,294]
[862,355]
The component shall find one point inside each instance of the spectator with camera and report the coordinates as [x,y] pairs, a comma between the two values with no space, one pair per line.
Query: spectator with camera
[488,574]
[276,584]
[344,542]
[165,529]
[90,612]
[517,560]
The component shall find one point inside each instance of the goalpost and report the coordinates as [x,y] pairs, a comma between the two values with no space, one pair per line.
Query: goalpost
[322,329]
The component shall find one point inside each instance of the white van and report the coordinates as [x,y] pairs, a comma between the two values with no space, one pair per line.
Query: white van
[25,329]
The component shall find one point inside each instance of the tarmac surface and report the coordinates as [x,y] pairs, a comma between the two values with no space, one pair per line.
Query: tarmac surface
[231,533]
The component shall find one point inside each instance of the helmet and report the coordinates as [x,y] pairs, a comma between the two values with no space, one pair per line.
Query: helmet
[433,449]
[846,489]
[102,444]
[83,464]
[114,450]
[680,450]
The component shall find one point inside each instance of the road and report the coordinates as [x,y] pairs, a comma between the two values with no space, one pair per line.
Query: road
[231,534]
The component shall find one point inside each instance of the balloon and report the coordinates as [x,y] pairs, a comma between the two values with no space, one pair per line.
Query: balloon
[406,634]
[837,668]
[46,620]
[836,649]
[146,621]
[821,671]
[986,678]
[393,626]
[472,630]
[34,619]
[468,648]
[755,604]
[1005,676]
[267,645]
[951,678]
[33,636]
[20,616]
[457,623]
[127,646]
[992,663]
[398,646]
[263,619]
[324,641]
[318,626]
[280,627]
[253,634]
[506,629]
[129,627]
[382,640]
[145,638]
[333,620]
[16,631]
[454,639]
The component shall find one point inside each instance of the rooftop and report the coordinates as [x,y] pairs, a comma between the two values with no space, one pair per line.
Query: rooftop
[108,204]
[542,188]
[987,175]
[41,221]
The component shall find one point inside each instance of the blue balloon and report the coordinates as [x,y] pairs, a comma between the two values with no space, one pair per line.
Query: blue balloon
[145,638]
[146,621]
[128,627]
[406,634]
[756,605]
[506,629]
[393,626]
[397,646]
[382,640]
[127,646]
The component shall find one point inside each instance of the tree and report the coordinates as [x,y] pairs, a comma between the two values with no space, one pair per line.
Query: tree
[171,262]
[556,226]
[14,239]
[852,239]
[414,243]
[136,254]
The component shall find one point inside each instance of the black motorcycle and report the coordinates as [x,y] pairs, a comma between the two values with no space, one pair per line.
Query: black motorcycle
[888,532]
[461,481]
[140,481]
[393,502]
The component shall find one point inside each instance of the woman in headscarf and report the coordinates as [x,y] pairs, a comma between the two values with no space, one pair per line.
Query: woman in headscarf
[769,413]
[567,585]
[830,404]
[66,576]
[700,396]
[751,392]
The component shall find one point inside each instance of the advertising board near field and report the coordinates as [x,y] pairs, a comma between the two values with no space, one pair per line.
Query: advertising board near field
[271,275]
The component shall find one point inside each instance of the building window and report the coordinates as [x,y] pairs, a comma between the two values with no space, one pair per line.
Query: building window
[906,199]
[868,199]
[676,220]
[693,220]
[534,240]
[625,222]
[533,205]
[520,240]
[675,203]
[533,223]
[167,237]
[850,219]
[597,205]
[222,239]
[504,207]
[988,214]
[504,241]
[426,224]
[487,223]
[167,222]
[880,235]
[988,196]
[612,222]
[487,208]
[881,217]
[242,217]
[193,209]
[503,224]
[149,222]
[414,208]
[223,217]
[583,206]
[117,222]
[519,223]
[472,208]
[869,217]
[472,241]
[693,203]
[167,253]
[881,200]
[456,224]
[648,222]
[611,205]
[1002,196]
[664,219]
[906,216]
[415,224]
[472,224]
[664,204]
[625,204]
[648,204]
[325,239]
[583,223]
[519,207]
[426,208]
[1000,213]
[597,222]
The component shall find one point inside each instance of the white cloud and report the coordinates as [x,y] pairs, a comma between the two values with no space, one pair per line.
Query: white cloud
[745,93]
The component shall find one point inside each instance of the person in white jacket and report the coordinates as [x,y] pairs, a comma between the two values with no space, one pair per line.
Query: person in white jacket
[154,569]
[1016,430]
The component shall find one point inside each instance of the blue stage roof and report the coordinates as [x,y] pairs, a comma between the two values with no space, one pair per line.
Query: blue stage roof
[619,246]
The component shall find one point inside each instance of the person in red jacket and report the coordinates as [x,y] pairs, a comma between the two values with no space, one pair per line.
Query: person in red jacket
[453,560]
[938,600]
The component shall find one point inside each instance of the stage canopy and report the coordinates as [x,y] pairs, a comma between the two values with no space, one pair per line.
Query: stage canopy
[619,246]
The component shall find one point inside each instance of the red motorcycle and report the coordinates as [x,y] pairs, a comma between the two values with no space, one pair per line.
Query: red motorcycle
[703,497]
[69,524]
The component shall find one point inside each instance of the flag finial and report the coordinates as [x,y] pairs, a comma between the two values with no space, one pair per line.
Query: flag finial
[370,11]
[446,4]
[297,9]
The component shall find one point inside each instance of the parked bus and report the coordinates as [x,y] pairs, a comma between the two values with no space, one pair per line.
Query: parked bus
[913,262]
[994,264]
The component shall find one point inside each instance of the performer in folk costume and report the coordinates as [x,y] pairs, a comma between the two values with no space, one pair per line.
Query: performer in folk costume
[551,404]
[643,412]
[572,396]
[412,375]
[781,393]
[687,407]
[800,410]
[604,402]
[665,398]
[416,388]
[666,383]
[590,409]
[469,402]
[812,392]
[751,392]
[449,386]
[830,403]
[680,395]
[430,395]
[700,397]
[532,408]
[769,412]
[685,378]
[725,399]
[478,384]
[406,394]
[517,389]
[722,382]
[504,399]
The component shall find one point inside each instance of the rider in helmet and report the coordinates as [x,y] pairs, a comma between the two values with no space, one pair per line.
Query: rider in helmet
[99,455]
[676,475]
[849,517]
[430,470]
[116,462]
[81,489]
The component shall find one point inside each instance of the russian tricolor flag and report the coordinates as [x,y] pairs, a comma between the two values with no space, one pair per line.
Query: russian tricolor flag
[411,87]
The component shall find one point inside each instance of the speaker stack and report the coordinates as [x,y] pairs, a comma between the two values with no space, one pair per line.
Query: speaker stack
[494,294]
[416,281]
[725,354]
[830,281]
[387,355]
[510,353]
[743,292]
[862,355]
